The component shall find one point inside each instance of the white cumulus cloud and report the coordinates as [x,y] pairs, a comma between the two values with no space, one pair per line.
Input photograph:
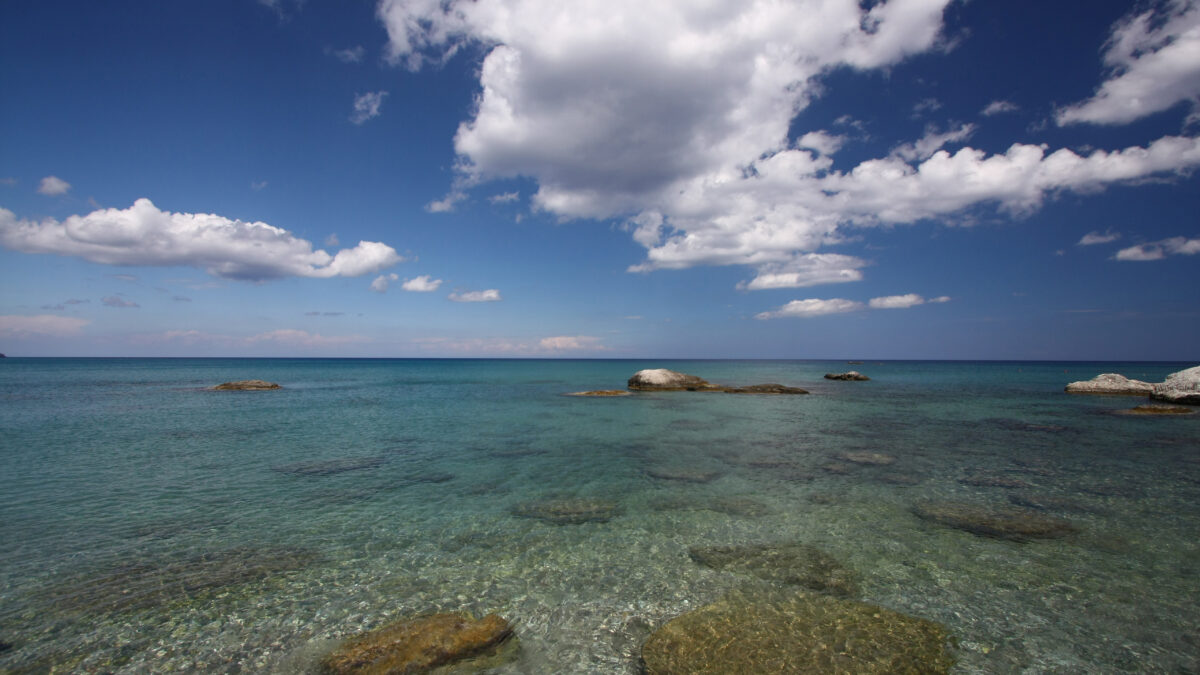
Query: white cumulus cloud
[144,235]
[1154,59]
[422,284]
[903,301]
[676,118]
[40,325]
[367,106]
[53,185]
[490,295]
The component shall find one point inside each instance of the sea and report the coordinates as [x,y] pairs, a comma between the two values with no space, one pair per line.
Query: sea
[150,524]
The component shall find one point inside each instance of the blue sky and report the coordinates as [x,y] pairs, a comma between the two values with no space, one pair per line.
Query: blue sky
[808,179]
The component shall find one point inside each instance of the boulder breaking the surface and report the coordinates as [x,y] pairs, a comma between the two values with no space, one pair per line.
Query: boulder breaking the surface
[796,633]
[852,376]
[661,379]
[793,564]
[1111,384]
[1181,387]
[420,645]
[600,393]
[247,385]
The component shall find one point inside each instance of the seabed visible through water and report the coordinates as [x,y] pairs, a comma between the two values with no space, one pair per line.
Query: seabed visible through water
[151,525]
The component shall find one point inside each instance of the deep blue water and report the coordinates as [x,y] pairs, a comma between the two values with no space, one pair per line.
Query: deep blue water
[151,525]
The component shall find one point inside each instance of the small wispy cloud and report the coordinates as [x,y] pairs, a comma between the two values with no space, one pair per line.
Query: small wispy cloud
[117,301]
[1158,250]
[447,203]
[258,185]
[812,307]
[53,186]
[999,108]
[490,295]
[383,281]
[40,325]
[504,198]
[353,54]
[367,106]
[1095,237]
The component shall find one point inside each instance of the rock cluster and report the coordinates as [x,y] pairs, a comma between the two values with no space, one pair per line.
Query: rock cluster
[852,376]
[661,379]
[796,633]
[247,385]
[421,644]
[1111,384]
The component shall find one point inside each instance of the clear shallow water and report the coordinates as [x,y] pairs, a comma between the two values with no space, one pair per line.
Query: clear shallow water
[150,525]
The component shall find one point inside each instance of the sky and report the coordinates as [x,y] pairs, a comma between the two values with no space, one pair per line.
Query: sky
[909,179]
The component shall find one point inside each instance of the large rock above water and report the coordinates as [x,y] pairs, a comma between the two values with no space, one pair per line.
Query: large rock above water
[420,645]
[247,385]
[852,376]
[796,633]
[1181,387]
[1111,384]
[661,379]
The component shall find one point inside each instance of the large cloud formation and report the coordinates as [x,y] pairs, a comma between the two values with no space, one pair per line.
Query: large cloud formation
[230,249]
[676,117]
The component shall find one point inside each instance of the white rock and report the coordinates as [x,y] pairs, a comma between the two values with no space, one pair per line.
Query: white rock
[1181,387]
[1111,384]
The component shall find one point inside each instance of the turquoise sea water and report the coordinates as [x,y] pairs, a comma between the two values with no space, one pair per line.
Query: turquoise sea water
[151,525]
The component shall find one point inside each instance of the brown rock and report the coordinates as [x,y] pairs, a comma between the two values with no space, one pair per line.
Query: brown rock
[1003,522]
[1146,410]
[421,644]
[770,388]
[600,393]
[796,633]
[247,385]
[795,564]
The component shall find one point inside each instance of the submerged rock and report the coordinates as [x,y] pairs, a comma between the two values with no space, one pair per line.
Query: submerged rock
[794,564]
[867,458]
[149,583]
[852,376]
[328,467]
[1111,384]
[993,521]
[422,644]
[686,474]
[1051,503]
[770,388]
[796,633]
[993,480]
[600,393]
[1181,387]
[1156,410]
[569,511]
[247,385]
